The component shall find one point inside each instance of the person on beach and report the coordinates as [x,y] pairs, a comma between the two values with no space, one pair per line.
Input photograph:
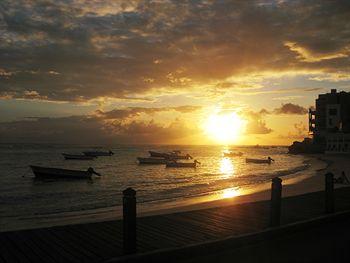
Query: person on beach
[342,179]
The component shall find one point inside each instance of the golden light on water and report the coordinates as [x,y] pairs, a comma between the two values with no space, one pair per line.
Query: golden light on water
[227,167]
[224,128]
[230,192]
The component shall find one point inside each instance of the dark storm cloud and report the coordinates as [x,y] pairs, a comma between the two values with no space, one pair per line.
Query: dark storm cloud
[119,48]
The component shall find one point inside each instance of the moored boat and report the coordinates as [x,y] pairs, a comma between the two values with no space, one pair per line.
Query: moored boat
[170,155]
[251,160]
[151,160]
[77,156]
[98,153]
[158,154]
[175,164]
[48,172]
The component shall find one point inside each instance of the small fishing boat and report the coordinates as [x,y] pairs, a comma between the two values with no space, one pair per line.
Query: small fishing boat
[170,155]
[232,154]
[151,160]
[98,153]
[47,172]
[158,154]
[268,160]
[175,164]
[77,156]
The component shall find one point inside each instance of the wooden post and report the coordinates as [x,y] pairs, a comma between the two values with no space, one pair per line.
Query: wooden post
[276,193]
[329,193]
[129,221]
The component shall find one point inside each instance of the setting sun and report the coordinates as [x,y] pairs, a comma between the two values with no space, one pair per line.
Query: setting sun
[225,128]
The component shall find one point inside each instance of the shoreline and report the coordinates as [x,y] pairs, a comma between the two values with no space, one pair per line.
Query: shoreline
[307,181]
[313,181]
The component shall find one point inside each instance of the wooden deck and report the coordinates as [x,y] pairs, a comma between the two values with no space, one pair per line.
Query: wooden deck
[97,242]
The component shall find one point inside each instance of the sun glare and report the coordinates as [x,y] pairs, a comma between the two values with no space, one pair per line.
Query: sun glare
[226,167]
[230,192]
[225,128]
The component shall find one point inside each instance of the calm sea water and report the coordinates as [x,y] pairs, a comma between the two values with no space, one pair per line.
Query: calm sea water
[24,199]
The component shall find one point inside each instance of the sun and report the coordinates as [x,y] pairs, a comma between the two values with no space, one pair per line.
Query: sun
[224,128]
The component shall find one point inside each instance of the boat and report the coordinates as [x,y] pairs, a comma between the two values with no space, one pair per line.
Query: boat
[77,156]
[151,160]
[170,155]
[158,154]
[232,154]
[98,153]
[175,164]
[267,160]
[47,172]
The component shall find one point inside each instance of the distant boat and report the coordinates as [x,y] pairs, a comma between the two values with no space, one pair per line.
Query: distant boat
[232,154]
[98,153]
[268,160]
[77,156]
[171,155]
[151,160]
[46,172]
[175,164]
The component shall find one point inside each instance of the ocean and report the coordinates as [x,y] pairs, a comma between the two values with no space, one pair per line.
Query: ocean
[26,202]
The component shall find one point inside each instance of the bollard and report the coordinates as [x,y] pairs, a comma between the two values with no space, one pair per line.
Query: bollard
[129,221]
[329,193]
[276,192]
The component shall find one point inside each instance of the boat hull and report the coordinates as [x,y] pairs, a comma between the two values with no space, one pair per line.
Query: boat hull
[173,156]
[259,161]
[45,172]
[151,160]
[77,157]
[96,153]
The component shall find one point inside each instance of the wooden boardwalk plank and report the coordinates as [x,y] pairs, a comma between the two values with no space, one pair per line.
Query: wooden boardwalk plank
[96,242]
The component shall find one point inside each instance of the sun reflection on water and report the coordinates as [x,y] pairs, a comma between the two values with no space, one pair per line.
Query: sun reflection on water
[230,192]
[226,167]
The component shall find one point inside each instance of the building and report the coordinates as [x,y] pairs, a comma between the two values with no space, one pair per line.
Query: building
[329,122]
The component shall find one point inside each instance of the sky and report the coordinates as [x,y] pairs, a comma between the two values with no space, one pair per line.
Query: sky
[155,72]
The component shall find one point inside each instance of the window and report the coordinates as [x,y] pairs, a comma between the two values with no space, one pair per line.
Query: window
[333,112]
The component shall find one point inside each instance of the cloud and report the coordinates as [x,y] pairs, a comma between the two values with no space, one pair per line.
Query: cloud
[256,124]
[300,131]
[120,49]
[290,108]
[136,111]
[89,129]
[306,55]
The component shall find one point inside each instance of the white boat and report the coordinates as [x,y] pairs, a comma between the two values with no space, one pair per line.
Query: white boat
[47,172]
[251,160]
[151,160]
[175,164]
[77,156]
[98,153]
